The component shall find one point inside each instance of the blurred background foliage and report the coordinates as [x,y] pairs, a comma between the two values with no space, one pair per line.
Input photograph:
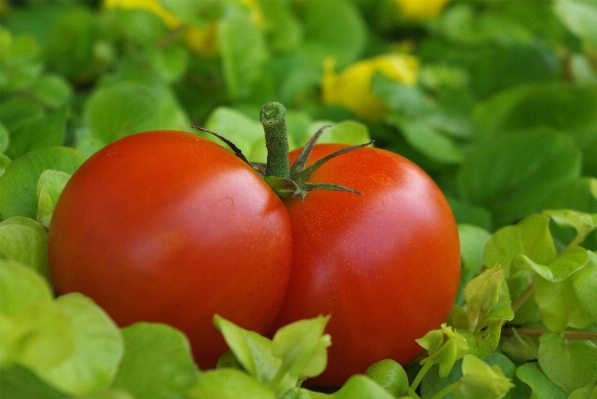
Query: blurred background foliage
[494,99]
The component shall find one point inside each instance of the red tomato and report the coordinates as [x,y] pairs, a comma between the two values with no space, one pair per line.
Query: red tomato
[170,227]
[384,264]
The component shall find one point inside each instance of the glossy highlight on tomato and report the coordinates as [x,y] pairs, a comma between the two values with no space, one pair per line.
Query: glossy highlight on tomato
[170,227]
[385,264]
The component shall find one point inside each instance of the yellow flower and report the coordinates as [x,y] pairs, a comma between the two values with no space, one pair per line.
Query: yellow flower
[203,41]
[421,9]
[352,87]
[154,6]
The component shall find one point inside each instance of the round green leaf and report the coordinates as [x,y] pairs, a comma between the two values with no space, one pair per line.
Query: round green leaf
[512,175]
[97,350]
[472,244]
[20,287]
[362,387]
[157,362]
[543,388]
[19,182]
[530,237]
[229,384]
[123,109]
[20,383]
[52,90]
[560,306]
[569,364]
[584,283]
[25,240]
[4,139]
[50,185]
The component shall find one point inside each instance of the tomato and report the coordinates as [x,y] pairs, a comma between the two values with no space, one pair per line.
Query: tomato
[385,264]
[170,227]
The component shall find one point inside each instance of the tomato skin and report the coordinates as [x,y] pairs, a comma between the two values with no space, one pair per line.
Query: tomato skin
[384,264]
[170,227]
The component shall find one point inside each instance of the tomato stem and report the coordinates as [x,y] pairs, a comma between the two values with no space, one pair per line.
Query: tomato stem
[273,119]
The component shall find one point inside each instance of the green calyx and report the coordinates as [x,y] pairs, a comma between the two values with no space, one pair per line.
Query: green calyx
[286,180]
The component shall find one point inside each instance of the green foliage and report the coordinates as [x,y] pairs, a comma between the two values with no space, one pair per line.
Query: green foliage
[502,116]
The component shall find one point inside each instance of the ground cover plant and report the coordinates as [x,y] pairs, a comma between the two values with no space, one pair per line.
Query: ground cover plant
[494,100]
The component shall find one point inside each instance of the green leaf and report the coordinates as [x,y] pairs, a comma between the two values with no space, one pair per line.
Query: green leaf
[19,182]
[123,109]
[567,263]
[582,223]
[4,163]
[21,62]
[560,306]
[580,16]
[285,30]
[512,175]
[52,90]
[170,62]
[543,388]
[362,387]
[470,214]
[390,375]
[530,237]
[157,363]
[569,364]
[480,380]
[399,97]
[346,132]
[50,185]
[254,353]
[584,283]
[70,44]
[39,132]
[39,337]
[20,383]
[588,392]
[228,384]
[25,240]
[21,287]
[302,346]
[97,348]
[344,36]
[107,394]
[520,348]
[246,133]
[242,60]
[428,140]
[472,245]
[558,106]
[4,139]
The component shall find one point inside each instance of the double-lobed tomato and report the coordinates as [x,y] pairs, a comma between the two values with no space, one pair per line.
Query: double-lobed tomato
[170,227]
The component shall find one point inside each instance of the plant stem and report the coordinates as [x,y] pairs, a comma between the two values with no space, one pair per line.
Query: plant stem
[273,119]
[426,367]
[445,391]
[524,296]
[536,332]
